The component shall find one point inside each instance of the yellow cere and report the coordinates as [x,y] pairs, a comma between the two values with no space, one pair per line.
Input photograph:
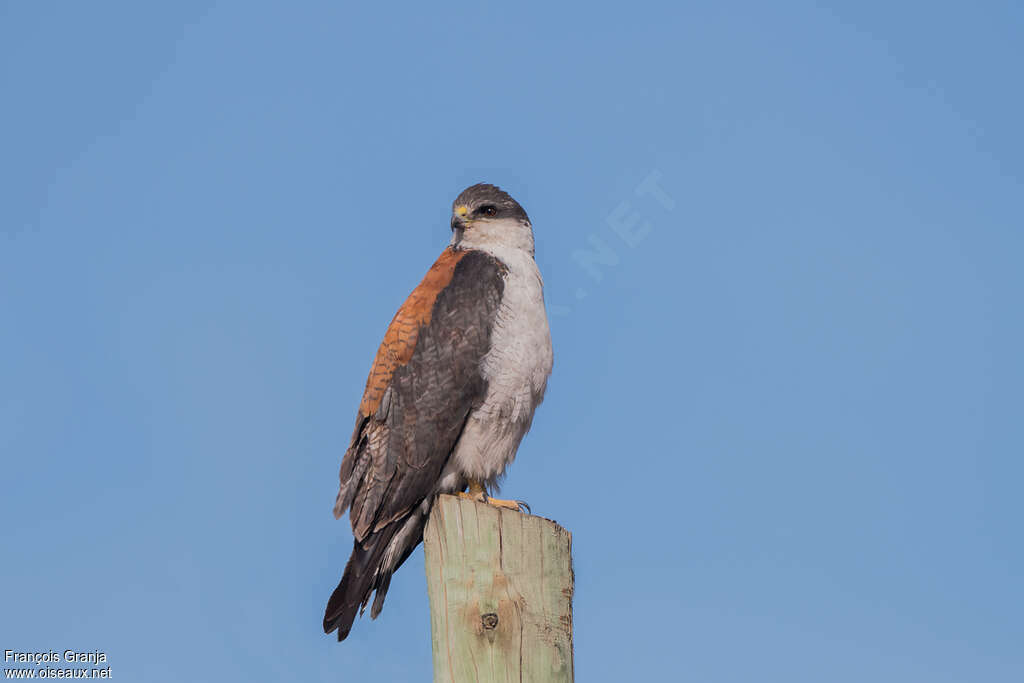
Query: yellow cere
[462,210]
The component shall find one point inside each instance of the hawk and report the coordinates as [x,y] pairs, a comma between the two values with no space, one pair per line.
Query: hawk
[452,391]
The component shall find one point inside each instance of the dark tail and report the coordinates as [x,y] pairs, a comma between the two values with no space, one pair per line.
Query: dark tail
[357,583]
[364,574]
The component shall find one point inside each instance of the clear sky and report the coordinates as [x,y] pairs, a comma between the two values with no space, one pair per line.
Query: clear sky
[784,424]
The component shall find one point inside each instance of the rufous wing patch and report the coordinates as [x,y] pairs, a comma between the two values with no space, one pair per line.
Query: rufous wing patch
[400,339]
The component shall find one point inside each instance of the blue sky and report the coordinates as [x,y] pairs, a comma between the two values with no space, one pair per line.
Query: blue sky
[784,424]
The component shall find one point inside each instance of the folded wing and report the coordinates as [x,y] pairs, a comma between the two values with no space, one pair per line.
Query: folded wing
[425,380]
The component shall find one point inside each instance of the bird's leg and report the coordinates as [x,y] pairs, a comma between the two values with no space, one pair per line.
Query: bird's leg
[478,493]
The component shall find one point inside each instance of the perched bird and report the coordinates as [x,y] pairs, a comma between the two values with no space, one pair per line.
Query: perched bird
[452,391]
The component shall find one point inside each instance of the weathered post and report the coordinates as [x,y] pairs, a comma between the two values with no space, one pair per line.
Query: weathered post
[500,585]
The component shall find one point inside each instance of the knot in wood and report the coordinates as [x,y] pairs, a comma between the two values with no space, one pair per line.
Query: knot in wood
[489,620]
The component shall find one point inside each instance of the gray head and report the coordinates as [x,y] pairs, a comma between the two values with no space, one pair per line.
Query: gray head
[486,216]
[486,202]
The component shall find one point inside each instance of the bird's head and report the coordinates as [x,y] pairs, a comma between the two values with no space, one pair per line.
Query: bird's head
[485,215]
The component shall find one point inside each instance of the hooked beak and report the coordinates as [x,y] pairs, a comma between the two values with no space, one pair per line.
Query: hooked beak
[460,218]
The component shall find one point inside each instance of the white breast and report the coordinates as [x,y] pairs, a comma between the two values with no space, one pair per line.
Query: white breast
[519,361]
[516,368]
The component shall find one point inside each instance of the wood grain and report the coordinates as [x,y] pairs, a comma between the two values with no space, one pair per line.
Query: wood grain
[501,586]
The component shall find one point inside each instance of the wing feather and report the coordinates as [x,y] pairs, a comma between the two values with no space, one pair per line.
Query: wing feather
[425,381]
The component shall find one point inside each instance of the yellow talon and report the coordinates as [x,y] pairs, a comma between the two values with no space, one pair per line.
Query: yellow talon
[478,493]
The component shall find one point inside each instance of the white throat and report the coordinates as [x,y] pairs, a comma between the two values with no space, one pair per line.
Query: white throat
[487,235]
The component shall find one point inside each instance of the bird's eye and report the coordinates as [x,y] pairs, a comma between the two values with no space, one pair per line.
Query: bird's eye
[487,211]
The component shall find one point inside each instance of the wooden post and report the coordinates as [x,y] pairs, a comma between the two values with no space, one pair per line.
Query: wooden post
[500,585]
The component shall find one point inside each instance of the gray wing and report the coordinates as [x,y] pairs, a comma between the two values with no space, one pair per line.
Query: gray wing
[425,382]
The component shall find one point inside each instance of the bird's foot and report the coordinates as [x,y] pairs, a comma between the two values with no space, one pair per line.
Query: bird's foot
[479,494]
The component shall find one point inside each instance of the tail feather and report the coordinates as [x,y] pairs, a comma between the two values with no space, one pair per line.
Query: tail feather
[369,569]
[409,536]
[360,579]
